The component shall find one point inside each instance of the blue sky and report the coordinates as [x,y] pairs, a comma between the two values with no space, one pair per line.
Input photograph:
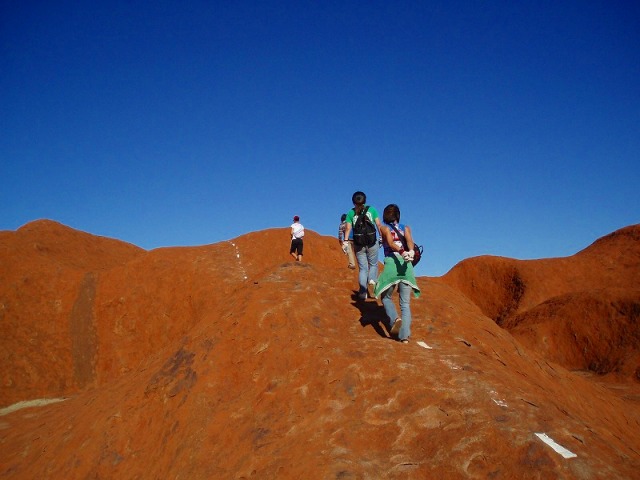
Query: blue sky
[504,128]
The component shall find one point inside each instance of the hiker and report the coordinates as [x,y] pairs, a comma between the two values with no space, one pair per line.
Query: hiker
[297,234]
[364,221]
[346,243]
[398,246]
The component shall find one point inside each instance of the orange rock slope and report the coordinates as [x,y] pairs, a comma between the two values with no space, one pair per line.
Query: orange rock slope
[232,361]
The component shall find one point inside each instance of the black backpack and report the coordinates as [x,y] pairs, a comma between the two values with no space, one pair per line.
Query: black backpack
[364,231]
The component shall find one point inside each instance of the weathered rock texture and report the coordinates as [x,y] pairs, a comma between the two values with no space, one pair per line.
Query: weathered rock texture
[232,361]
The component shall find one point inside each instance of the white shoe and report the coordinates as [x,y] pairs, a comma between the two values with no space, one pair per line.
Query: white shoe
[371,289]
[395,328]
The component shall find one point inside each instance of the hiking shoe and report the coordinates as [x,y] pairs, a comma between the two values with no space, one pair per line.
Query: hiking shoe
[371,289]
[395,329]
[406,340]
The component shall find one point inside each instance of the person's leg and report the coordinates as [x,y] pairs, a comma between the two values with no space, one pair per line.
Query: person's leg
[292,250]
[372,261]
[363,267]
[389,305]
[405,298]
[352,258]
[300,247]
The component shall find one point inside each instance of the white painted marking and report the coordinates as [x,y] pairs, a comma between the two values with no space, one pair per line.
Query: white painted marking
[558,448]
[242,270]
[497,401]
[29,403]
[424,345]
[451,365]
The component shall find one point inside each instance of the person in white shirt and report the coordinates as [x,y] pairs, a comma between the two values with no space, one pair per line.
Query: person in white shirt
[297,234]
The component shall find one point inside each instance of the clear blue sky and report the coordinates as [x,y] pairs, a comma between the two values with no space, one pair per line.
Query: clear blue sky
[500,127]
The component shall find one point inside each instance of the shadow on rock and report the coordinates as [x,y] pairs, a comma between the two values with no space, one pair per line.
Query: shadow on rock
[372,314]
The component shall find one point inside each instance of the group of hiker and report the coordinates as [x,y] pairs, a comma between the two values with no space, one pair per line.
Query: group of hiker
[361,234]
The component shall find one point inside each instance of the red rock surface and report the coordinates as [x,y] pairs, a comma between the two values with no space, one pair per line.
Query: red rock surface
[232,361]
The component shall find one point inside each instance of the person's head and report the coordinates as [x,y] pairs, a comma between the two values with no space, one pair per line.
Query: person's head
[296,218]
[343,217]
[359,199]
[391,213]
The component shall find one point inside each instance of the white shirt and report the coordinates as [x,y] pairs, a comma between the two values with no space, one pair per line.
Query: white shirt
[297,230]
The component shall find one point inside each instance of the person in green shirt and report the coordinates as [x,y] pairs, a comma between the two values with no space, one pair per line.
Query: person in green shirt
[366,246]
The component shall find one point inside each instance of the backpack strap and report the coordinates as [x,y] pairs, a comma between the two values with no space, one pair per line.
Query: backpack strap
[362,214]
[400,236]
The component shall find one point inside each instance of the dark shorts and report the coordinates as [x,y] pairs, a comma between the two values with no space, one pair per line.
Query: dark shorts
[296,246]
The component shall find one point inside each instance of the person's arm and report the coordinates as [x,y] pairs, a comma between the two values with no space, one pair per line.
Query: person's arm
[409,238]
[409,254]
[347,230]
[380,227]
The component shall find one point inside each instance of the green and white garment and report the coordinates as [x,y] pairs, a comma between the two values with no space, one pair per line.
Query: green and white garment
[396,269]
